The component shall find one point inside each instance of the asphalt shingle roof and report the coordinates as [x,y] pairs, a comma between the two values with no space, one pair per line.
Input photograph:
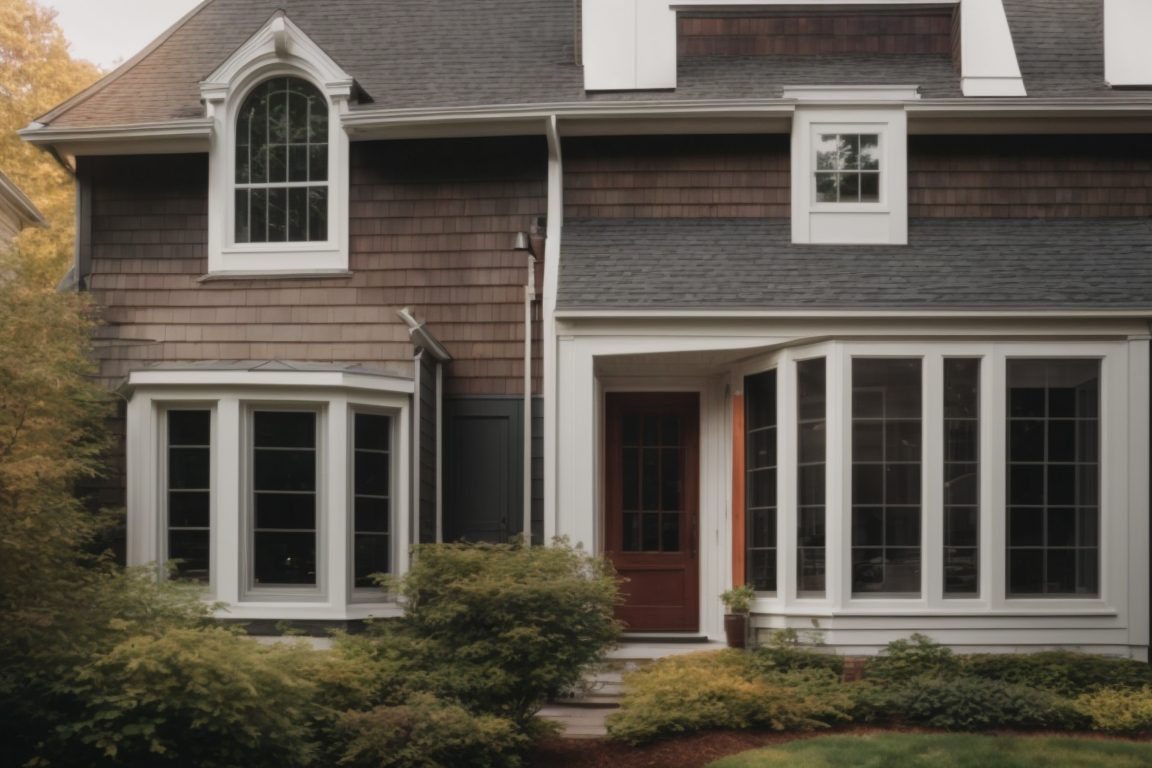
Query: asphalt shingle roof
[446,53]
[948,263]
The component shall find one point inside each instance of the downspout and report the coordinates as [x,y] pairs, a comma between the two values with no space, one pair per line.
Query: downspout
[551,281]
[529,298]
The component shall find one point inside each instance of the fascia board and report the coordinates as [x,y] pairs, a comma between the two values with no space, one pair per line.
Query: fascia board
[279,379]
[25,208]
[725,314]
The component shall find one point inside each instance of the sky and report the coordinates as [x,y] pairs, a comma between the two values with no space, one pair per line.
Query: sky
[107,32]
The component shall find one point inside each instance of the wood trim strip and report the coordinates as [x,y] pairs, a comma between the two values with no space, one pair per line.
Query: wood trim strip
[738,548]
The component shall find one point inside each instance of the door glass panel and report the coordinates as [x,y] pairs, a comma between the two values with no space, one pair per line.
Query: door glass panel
[652,481]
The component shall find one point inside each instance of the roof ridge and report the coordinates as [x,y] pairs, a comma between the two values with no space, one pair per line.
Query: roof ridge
[120,71]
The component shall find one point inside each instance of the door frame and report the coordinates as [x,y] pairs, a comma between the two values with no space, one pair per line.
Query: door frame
[611,524]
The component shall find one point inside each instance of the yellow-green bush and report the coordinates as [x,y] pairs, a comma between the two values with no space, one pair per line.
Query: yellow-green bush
[1119,711]
[426,732]
[723,690]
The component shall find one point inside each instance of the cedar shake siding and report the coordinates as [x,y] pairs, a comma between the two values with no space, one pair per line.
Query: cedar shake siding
[1018,177]
[811,33]
[432,228]
[677,177]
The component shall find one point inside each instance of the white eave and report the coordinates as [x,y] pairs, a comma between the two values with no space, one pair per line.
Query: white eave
[584,118]
[755,314]
[185,378]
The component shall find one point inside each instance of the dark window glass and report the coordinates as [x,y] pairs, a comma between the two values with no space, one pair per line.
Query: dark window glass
[281,168]
[189,492]
[760,480]
[886,475]
[652,475]
[1053,477]
[284,497]
[812,425]
[961,477]
[371,496]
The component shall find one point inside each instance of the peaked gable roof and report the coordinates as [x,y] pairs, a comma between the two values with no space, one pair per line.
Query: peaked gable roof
[458,53]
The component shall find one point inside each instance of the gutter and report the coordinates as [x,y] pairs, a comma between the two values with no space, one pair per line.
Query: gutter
[757,314]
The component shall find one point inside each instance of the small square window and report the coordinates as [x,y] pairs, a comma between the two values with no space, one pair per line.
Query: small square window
[848,168]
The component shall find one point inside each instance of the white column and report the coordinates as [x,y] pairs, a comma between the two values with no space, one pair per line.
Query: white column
[230,532]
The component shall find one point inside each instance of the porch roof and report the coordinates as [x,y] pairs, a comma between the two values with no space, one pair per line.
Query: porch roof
[977,264]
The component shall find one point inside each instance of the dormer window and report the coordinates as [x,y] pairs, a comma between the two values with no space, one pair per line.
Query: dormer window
[282,164]
[848,168]
[278,166]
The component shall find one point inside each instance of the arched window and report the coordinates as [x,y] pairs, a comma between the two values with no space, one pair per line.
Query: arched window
[281,181]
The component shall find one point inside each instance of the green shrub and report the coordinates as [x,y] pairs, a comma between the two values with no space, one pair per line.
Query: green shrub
[918,656]
[428,733]
[192,697]
[696,692]
[1118,711]
[1064,672]
[966,704]
[500,628]
[784,653]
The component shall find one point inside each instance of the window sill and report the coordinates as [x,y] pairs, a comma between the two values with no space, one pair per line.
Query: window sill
[274,274]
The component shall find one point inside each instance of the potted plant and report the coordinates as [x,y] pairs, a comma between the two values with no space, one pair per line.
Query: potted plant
[737,604]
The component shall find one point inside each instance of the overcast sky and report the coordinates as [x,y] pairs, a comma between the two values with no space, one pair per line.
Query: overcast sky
[107,32]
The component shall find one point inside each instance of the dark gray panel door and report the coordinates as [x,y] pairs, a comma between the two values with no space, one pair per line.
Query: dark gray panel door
[483,469]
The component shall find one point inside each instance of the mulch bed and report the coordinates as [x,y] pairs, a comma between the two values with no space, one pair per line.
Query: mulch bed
[699,750]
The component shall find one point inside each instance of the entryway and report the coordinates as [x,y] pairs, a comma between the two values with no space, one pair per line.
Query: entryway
[651,507]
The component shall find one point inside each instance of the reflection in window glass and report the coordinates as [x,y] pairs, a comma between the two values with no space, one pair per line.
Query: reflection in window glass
[1053,477]
[281,168]
[811,456]
[886,476]
[848,168]
[961,477]
[189,492]
[284,497]
[760,481]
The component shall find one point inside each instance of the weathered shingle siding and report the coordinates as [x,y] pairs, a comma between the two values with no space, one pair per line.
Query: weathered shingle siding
[812,33]
[671,177]
[432,225]
[1029,176]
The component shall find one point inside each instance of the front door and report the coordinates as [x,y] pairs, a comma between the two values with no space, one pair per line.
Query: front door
[651,516]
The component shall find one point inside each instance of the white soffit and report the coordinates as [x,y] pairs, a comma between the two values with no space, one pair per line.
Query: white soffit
[988,65]
[1127,49]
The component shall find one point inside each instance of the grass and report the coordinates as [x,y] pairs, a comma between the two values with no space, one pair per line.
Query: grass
[944,751]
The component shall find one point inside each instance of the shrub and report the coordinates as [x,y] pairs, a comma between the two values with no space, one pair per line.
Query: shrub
[192,697]
[425,733]
[1064,672]
[918,656]
[696,692]
[1118,711]
[500,628]
[967,704]
[784,653]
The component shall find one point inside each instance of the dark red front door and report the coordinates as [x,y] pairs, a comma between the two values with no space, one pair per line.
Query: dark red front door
[652,522]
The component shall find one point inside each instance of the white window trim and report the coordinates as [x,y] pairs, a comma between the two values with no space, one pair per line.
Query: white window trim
[279,49]
[882,222]
[1123,461]
[337,397]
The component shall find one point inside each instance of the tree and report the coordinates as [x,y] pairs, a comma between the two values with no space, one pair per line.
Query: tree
[37,73]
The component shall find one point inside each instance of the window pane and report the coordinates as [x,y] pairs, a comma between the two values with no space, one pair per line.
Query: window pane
[285,558]
[1053,477]
[961,477]
[371,486]
[277,215]
[869,187]
[243,223]
[285,511]
[188,496]
[284,498]
[886,472]
[870,152]
[760,480]
[298,214]
[827,187]
[317,214]
[285,429]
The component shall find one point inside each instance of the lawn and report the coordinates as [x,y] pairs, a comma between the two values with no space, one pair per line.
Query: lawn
[944,751]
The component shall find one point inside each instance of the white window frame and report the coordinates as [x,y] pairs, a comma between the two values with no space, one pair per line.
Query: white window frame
[1123,466]
[233,396]
[872,223]
[279,49]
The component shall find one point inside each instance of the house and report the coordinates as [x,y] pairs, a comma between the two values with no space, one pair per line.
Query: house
[849,301]
[17,212]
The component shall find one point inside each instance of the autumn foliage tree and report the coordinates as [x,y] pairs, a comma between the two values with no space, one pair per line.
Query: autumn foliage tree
[37,73]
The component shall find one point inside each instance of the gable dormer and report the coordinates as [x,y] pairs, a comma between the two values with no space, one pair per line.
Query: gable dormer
[278,165]
[636,44]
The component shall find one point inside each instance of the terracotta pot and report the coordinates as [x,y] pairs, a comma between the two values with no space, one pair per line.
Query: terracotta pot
[736,629]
